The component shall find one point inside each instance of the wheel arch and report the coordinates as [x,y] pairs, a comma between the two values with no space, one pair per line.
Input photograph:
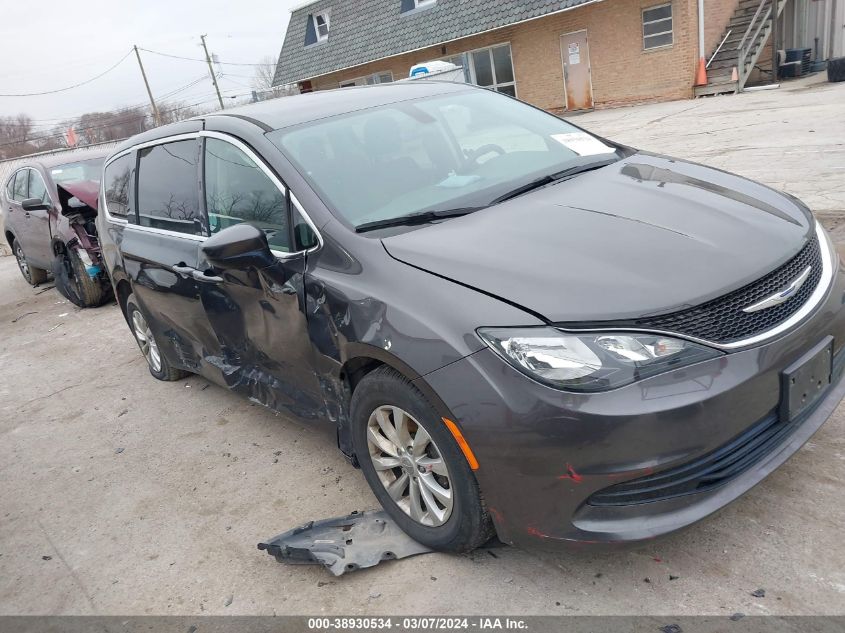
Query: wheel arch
[360,360]
[58,246]
[122,290]
[10,237]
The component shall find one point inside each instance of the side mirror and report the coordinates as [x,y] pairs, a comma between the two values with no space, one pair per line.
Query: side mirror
[238,247]
[35,204]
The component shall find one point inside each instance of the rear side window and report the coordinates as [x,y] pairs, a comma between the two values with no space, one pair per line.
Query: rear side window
[117,183]
[21,185]
[168,188]
[237,191]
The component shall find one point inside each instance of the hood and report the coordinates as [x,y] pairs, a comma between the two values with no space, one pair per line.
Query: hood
[646,235]
[86,191]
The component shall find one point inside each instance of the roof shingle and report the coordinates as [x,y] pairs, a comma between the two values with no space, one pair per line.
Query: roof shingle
[366,30]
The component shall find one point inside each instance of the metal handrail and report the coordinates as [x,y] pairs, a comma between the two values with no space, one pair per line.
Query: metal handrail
[742,55]
[719,47]
[757,32]
[750,24]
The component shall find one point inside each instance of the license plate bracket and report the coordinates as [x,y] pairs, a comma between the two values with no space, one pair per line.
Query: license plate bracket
[805,380]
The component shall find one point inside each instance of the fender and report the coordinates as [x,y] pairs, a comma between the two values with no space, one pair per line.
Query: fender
[337,393]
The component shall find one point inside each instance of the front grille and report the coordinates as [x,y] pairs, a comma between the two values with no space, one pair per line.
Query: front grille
[723,321]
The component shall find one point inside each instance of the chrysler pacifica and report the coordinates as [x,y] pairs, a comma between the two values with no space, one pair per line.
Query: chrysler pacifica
[511,325]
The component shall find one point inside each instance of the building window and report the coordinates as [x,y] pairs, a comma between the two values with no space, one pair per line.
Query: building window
[657,26]
[411,5]
[492,68]
[369,80]
[321,25]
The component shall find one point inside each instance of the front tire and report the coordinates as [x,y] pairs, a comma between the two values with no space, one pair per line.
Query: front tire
[74,282]
[414,466]
[157,363]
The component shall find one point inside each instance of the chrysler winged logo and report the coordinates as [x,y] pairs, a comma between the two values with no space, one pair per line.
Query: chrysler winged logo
[782,295]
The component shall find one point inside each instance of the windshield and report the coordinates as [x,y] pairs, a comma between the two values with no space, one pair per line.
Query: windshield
[462,150]
[77,172]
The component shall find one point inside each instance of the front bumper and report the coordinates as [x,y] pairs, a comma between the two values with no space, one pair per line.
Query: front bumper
[543,452]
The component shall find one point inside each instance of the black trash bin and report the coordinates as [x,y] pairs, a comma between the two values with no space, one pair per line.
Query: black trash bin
[836,69]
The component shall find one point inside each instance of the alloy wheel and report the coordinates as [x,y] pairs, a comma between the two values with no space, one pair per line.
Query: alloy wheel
[146,342]
[410,466]
[22,262]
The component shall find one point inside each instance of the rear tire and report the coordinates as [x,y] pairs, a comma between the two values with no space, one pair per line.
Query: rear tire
[429,464]
[74,282]
[157,363]
[32,275]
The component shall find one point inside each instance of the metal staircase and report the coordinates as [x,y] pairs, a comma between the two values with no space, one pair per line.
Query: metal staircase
[740,47]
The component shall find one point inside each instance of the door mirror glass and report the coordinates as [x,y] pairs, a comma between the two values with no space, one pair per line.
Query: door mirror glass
[238,247]
[34,204]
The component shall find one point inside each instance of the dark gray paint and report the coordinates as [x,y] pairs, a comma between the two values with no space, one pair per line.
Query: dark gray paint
[542,451]
[602,246]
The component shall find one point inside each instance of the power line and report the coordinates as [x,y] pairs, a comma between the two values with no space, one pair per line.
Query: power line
[82,83]
[195,59]
[46,123]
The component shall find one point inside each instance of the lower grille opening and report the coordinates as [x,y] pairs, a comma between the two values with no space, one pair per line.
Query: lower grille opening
[714,469]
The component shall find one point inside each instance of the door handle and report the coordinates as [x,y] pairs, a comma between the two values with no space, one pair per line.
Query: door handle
[26,215]
[189,271]
[209,279]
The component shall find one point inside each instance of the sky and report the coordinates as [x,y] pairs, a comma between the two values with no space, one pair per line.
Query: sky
[50,44]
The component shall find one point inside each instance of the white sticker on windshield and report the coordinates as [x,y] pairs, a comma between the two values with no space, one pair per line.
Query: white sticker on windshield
[582,143]
[56,171]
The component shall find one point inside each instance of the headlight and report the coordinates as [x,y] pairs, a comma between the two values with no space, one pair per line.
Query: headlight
[592,361]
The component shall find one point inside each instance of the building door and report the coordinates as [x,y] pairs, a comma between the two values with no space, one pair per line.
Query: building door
[577,83]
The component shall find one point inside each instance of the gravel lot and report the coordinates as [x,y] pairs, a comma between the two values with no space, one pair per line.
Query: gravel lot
[120,494]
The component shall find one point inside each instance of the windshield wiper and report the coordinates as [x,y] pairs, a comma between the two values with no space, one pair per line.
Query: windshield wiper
[422,217]
[550,178]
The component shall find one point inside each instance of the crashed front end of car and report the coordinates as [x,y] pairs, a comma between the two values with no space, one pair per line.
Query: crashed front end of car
[78,268]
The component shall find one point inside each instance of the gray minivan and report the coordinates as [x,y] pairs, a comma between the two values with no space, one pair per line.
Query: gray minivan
[510,324]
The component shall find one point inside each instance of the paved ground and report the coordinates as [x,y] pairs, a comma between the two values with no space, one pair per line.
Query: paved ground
[123,495]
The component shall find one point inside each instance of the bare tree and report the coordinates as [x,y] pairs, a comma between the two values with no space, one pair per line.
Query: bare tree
[100,127]
[16,136]
[177,111]
[262,82]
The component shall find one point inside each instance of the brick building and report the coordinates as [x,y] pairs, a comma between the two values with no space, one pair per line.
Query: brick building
[557,54]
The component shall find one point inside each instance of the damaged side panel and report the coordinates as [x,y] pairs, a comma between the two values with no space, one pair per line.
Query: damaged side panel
[244,330]
[264,352]
[350,325]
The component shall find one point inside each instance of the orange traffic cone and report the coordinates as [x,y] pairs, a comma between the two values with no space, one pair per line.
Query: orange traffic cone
[734,75]
[701,75]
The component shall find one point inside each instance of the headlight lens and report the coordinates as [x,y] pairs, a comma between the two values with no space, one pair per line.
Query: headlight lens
[592,361]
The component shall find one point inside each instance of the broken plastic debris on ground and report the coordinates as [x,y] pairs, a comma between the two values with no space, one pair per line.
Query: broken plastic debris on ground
[344,544]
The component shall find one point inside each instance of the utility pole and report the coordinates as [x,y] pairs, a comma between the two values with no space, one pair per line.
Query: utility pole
[211,70]
[156,116]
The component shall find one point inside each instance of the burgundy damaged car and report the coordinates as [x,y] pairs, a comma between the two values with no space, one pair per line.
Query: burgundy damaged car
[51,205]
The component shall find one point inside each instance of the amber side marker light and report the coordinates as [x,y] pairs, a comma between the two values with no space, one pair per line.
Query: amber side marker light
[461,440]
